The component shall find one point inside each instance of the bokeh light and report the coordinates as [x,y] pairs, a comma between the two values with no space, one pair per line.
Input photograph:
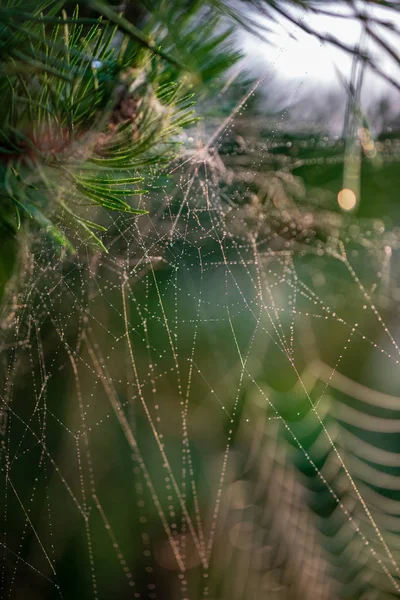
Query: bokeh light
[347,199]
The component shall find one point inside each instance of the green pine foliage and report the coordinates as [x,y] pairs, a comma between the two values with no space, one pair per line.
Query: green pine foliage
[91,106]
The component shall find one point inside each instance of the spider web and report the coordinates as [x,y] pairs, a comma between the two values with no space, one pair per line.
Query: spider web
[209,410]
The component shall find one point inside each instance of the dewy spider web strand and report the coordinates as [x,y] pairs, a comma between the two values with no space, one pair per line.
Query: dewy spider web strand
[282,345]
[284,349]
[186,243]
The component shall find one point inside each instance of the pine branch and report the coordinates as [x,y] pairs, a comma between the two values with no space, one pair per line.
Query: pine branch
[90,107]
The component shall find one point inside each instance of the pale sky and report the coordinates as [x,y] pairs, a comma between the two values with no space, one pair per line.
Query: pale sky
[302,61]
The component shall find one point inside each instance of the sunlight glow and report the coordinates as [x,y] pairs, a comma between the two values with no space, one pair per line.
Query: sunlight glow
[347,199]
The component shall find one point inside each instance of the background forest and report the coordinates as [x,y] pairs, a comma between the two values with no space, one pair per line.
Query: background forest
[199,287]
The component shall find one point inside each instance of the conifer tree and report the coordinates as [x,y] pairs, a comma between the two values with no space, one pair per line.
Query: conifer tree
[91,108]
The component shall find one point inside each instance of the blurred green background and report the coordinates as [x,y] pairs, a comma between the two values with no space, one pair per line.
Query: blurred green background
[211,409]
